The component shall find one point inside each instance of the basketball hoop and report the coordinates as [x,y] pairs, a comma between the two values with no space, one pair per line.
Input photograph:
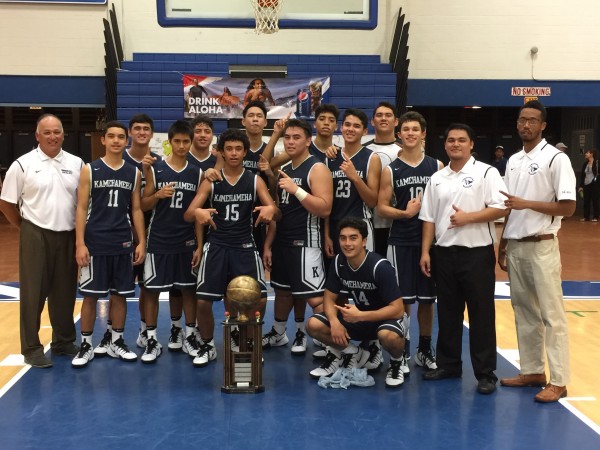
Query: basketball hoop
[267,15]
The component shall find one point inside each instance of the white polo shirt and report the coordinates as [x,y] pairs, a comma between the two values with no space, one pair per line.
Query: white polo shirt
[544,174]
[387,153]
[475,187]
[44,188]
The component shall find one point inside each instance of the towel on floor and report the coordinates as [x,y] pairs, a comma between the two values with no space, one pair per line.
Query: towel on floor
[342,378]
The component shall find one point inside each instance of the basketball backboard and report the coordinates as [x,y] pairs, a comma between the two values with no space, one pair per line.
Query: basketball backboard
[335,14]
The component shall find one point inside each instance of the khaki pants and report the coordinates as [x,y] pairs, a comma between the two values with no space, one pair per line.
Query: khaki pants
[534,270]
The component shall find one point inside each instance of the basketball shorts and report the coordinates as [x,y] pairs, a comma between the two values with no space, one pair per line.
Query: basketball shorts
[381,240]
[298,269]
[259,234]
[138,274]
[366,331]
[414,285]
[163,272]
[107,274]
[221,264]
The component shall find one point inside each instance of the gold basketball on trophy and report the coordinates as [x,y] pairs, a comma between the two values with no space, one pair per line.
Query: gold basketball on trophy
[244,293]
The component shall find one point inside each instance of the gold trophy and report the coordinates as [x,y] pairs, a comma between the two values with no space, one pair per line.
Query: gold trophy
[243,369]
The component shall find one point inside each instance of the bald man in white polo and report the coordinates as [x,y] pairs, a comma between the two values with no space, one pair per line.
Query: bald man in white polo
[43,183]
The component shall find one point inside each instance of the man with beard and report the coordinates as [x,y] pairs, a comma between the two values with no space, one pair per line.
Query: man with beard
[541,189]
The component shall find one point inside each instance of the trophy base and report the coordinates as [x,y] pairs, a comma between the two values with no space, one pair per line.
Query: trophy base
[242,389]
[243,369]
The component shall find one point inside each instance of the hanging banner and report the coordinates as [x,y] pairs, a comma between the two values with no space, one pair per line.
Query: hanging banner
[225,98]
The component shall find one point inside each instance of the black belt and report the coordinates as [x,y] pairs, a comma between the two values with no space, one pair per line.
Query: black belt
[538,238]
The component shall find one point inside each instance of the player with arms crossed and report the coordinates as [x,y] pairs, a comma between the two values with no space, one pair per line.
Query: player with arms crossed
[377,312]
[402,185]
[387,147]
[108,189]
[296,259]
[230,250]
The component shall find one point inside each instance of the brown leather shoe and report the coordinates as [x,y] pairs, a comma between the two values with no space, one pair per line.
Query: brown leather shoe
[535,379]
[551,394]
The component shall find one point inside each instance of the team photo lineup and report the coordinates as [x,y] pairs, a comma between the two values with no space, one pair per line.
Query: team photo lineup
[367,234]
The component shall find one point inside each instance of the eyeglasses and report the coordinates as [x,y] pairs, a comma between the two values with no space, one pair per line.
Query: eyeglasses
[531,121]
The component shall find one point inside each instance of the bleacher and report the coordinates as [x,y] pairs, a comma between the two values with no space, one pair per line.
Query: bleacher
[152,82]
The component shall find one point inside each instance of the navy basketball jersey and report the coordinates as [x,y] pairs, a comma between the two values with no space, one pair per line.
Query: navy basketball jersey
[168,232]
[204,164]
[346,200]
[408,182]
[234,204]
[297,226]
[317,153]
[252,158]
[372,285]
[108,229]
[138,163]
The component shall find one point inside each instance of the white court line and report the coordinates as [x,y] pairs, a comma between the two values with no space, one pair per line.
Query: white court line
[511,355]
[9,291]
[14,380]
[4,389]
[585,419]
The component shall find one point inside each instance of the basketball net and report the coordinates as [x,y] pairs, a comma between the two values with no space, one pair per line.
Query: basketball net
[267,15]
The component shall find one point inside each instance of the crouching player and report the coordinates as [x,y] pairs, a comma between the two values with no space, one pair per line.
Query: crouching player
[230,250]
[171,185]
[108,188]
[377,312]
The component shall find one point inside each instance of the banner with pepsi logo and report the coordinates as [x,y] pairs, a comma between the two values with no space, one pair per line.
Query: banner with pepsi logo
[225,98]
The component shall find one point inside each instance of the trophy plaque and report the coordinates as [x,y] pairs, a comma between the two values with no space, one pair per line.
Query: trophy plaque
[243,369]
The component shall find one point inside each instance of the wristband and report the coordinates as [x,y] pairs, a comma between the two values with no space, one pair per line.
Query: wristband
[300,194]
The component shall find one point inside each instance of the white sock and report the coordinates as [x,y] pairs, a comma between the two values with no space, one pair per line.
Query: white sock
[350,349]
[189,330]
[152,334]
[279,327]
[116,335]
[335,351]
